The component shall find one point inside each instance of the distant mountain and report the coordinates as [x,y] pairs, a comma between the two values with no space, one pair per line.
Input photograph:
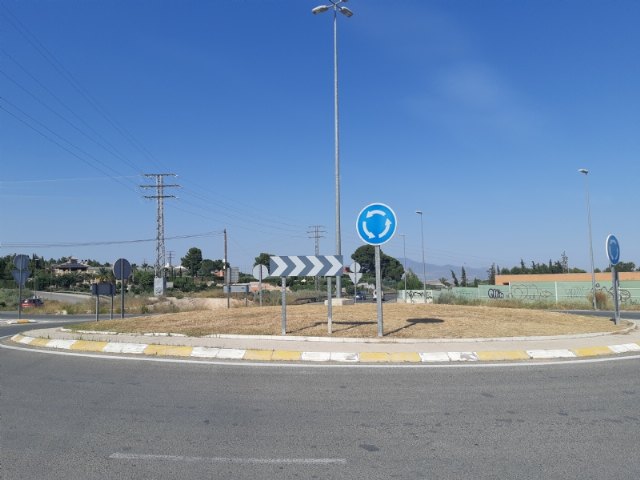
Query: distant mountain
[435,272]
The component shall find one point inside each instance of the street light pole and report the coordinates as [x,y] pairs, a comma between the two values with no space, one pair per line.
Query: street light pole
[424,267]
[335,5]
[404,254]
[585,172]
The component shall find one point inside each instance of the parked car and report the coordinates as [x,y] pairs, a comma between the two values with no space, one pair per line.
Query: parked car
[32,302]
[361,296]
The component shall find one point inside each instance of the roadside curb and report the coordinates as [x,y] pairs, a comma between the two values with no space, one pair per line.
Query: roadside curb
[278,355]
[386,340]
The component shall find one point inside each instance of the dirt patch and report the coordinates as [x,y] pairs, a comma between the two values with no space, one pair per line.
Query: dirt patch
[360,321]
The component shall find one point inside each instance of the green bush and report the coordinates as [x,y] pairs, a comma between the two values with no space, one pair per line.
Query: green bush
[449,298]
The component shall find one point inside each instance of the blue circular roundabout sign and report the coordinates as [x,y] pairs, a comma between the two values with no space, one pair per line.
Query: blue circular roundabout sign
[613,250]
[376,224]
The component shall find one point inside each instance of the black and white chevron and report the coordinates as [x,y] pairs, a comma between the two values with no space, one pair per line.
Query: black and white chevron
[306,266]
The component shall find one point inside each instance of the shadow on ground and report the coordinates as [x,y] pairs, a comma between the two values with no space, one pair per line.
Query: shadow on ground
[415,321]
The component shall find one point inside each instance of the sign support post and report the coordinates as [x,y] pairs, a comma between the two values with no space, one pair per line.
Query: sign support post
[613,252]
[260,286]
[20,299]
[121,270]
[379,290]
[284,306]
[616,295]
[260,272]
[376,224]
[329,307]
[20,275]
[304,266]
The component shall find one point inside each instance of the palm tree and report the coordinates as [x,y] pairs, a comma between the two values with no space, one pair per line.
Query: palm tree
[105,275]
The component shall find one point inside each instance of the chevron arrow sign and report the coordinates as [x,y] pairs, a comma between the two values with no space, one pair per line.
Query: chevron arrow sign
[306,266]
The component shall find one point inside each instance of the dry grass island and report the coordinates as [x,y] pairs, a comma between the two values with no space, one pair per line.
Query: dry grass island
[360,321]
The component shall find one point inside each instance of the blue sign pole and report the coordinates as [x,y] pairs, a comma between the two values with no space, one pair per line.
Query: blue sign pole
[613,252]
[376,225]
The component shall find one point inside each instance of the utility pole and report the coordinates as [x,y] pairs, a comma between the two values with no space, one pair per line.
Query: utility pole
[227,272]
[159,282]
[315,231]
[170,253]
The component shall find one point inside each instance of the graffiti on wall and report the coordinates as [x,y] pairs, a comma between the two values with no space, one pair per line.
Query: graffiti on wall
[529,291]
[495,293]
[533,292]
[415,295]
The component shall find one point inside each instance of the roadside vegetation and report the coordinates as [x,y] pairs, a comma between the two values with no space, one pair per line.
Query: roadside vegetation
[200,278]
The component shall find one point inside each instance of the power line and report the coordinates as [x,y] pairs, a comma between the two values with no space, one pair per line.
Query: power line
[101,168]
[103,243]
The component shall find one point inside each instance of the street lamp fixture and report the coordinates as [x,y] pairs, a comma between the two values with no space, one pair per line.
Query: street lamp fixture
[320,9]
[424,267]
[337,6]
[585,172]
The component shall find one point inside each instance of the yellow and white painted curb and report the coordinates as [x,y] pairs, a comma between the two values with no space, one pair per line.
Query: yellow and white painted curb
[340,357]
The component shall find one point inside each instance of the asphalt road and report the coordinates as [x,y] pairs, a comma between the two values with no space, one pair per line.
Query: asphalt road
[81,418]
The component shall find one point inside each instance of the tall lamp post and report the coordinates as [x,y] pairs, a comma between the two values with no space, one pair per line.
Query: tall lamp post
[424,267]
[337,7]
[585,172]
[404,254]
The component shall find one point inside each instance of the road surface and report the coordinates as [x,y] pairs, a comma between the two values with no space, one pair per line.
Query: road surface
[82,418]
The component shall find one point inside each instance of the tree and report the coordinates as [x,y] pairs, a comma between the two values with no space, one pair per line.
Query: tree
[492,274]
[105,275]
[463,278]
[623,267]
[413,282]
[263,259]
[365,256]
[456,283]
[206,268]
[391,268]
[143,279]
[192,261]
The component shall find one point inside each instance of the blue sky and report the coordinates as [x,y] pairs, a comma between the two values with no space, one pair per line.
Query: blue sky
[478,113]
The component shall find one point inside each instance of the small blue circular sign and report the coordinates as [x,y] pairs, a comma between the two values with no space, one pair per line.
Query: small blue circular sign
[613,250]
[376,224]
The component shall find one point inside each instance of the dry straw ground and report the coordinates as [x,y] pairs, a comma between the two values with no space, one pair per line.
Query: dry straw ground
[400,321]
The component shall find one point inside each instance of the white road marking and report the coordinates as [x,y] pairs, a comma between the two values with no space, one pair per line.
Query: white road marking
[343,357]
[548,354]
[113,347]
[231,353]
[316,356]
[435,357]
[205,352]
[245,363]
[625,347]
[57,343]
[236,460]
